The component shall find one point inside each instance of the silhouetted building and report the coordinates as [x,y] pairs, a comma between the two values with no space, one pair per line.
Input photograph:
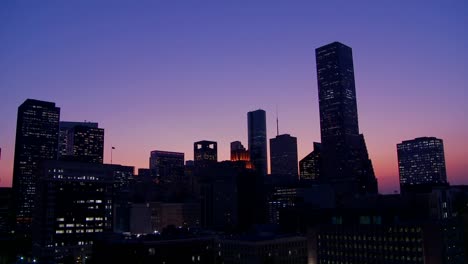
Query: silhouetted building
[421,164]
[309,166]
[381,229]
[205,152]
[75,203]
[37,130]
[167,166]
[148,218]
[283,156]
[253,249]
[231,196]
[81,141]
[257,137]
[238,152]
[346,164]
[172,246]
[5,205]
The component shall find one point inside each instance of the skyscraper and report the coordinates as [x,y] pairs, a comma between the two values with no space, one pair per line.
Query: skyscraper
[256,125]
[37,130]
[421,164]
[168,166]
[346,163]
[283,156]
[81,141]
[205,152]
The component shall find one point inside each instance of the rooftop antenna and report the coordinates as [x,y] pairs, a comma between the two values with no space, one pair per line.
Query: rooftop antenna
[277,122]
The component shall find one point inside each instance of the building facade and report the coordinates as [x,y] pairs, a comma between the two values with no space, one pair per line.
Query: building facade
[74,203]
[168,166]
[37,132]
[309,166]
[81,141]
[421,163]
[346,164]
[205,153]
[283,156]
[257,137]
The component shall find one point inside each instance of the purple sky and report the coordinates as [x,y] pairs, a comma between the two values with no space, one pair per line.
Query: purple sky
[163,74]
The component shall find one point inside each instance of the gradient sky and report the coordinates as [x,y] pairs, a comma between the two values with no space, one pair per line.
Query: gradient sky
[164,74]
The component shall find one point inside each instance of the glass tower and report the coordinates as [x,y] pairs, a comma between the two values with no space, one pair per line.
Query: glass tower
[346,164]
[256,125]
[37,131]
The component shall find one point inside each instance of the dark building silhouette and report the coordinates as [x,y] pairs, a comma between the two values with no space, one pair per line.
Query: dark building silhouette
[37,132]
[231,196]
[81,141]
[283,156]
[75,203]
[5,204]
[420,228]
[172,246]
[205,152]
[346,164]
[309,166]
[167,166]
[256,125]
[421,164]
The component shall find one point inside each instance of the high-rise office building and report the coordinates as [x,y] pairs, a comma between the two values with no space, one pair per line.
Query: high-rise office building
[167,166]
[81,141]
[283,156]
[346,164]
[309,166]
[74,204]
[256,125]
[37,130]
[205,152]
[421,163]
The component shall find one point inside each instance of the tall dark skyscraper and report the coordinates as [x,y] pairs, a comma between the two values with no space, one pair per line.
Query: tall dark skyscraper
[81,141]
[205,152]
[256,125]
[346,164]
[37,131]
[421,164]
[283,156]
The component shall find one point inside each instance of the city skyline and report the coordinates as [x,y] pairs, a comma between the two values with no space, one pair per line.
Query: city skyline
[158,106]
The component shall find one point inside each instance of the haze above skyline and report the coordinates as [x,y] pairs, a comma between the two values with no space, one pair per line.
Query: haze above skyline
[164,74]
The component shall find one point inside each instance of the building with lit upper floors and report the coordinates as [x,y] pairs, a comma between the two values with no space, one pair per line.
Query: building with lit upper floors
[81,141]
[421,164]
